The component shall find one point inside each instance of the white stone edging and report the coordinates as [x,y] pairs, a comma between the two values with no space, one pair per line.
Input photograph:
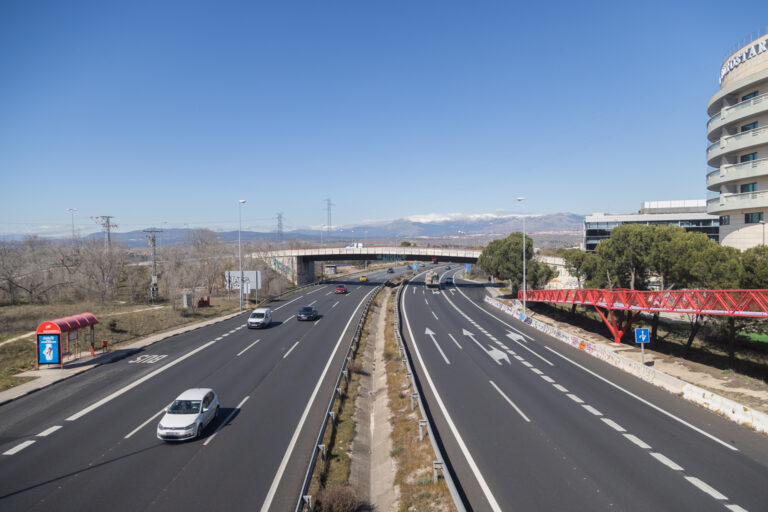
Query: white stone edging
[732,410]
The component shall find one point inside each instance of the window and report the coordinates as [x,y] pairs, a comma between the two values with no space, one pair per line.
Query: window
[753,218]
[748,187]
[748,158]
[749,96]
[750,126]
[725,220]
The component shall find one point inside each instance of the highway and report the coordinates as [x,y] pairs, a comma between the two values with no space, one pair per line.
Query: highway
[530,423]
[88,443]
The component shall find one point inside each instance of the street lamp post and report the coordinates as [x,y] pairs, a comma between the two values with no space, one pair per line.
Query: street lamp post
[241,202]
[72,212]
[520,200]
[763,223]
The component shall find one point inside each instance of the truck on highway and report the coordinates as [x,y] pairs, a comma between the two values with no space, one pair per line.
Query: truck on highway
[432,279]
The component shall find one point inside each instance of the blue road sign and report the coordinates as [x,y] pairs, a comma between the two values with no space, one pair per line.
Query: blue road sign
[642,336]
[467,266]
[415,266]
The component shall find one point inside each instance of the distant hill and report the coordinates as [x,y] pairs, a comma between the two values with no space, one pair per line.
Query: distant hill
[479,226]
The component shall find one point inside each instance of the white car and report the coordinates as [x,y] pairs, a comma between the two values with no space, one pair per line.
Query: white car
[261,317]
[188,415]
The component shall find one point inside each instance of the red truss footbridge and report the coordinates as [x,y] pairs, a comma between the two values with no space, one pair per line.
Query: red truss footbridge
[733,303]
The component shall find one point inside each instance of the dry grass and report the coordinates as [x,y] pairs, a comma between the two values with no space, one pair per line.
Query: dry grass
[330,481]
[413,457]
[119,324]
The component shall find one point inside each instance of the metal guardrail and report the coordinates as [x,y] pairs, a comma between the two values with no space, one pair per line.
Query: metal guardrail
[304,498]
[425,420]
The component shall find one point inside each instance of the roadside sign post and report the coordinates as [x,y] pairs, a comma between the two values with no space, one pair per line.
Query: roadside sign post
[642,337]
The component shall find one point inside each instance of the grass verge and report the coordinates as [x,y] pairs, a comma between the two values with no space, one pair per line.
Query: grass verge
[413,457]
[330,480]
[119,324]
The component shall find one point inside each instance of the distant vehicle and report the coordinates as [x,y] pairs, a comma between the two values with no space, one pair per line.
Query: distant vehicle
[447,267]
[261,317]
[434,260]
[307,313]
[363,278]
[432,280]
[449,280]
[188,415]
[390,270]
[340,289]
[356,245]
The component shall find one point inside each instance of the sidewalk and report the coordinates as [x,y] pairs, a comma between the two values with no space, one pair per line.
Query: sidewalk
[49,376]
[716,388]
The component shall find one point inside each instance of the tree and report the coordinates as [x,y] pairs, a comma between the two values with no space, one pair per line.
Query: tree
[754,270]
[405,243]
[574,263]
[625,253]
[503,258]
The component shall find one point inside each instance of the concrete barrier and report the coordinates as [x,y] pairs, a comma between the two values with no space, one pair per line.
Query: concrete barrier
[730,409]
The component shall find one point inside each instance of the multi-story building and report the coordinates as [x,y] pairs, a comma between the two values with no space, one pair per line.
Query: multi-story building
[691,215]
[738,130]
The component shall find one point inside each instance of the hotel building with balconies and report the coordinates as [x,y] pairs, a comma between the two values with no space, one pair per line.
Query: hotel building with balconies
[738,153]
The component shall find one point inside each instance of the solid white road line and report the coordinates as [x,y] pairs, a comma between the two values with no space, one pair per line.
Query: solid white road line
[226,421]
[639,442]
[49,431]
[667,462]
[135,383]
[534,353]
[462,446]
[290,350]
[646,402]
[454,340]
[613,425]
[289,450]
[510,402]
[161,411]
[425,301]
[246,348]
[706,488]
[434,315]
[16,449]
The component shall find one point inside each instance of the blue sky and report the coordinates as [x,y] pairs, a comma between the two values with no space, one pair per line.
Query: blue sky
[165,113]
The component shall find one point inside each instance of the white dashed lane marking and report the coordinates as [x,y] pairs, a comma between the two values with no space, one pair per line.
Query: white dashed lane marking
[667,462]
[16,449]
[49,431]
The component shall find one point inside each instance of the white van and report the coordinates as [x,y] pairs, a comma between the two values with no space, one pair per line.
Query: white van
[356,245]
[260,317]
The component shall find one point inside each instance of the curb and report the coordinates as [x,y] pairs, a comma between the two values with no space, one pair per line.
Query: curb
[726,407]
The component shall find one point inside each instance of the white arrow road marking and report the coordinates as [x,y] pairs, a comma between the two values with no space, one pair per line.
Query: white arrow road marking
[494,353]
[431,334]
[515,336]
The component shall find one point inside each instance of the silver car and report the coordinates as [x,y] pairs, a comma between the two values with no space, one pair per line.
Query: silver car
[261,317]
[188,415]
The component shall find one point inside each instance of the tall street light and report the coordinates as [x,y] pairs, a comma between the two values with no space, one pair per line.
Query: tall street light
[72,212]
[241,202]
[763,223]
[520,200]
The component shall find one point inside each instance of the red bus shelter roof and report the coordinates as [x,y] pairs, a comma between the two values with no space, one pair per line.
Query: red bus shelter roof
[68,323]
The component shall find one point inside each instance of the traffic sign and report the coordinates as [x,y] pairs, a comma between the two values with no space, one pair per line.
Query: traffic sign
[642,336]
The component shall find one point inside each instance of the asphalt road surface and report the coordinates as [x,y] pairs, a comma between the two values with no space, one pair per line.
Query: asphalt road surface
[529,423]
[88,443]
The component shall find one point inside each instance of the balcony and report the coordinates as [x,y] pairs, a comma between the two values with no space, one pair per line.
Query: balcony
[731,173]
[735,113]
[730,202]
[734,143]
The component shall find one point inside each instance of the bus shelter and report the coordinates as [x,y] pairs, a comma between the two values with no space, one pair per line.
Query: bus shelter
[59,338]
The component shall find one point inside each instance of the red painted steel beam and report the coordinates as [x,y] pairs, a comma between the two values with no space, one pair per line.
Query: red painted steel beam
[739,303]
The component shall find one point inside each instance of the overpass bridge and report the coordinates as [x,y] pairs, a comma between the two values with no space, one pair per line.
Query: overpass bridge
[298,264]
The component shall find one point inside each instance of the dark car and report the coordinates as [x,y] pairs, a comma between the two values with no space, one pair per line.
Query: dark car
[307,313]
[390,270]
[448,280]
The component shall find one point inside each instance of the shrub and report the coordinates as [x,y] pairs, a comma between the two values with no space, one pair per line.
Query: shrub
[338,499]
